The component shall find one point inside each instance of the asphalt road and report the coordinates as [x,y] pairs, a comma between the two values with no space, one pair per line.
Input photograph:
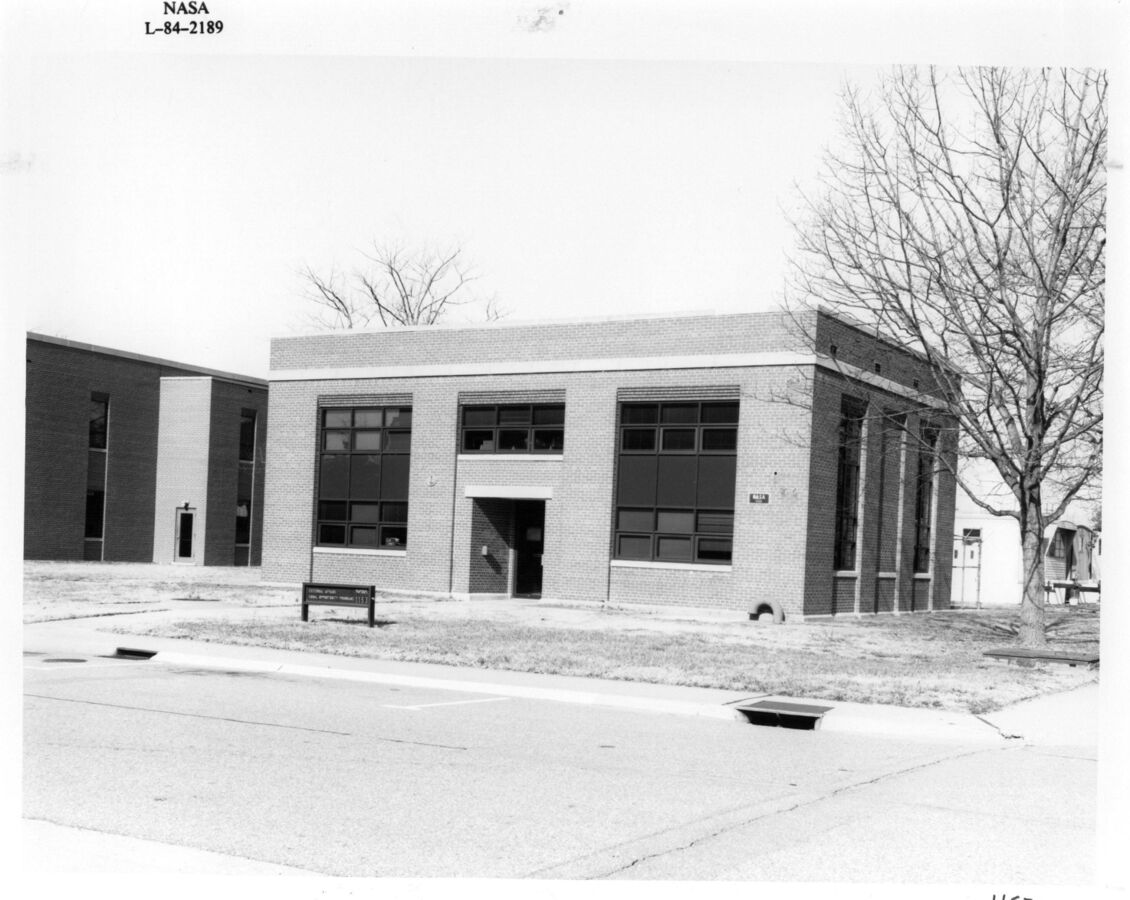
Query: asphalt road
[351,778]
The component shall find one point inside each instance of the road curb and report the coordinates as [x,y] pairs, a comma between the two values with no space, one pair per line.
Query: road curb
[529,692]
[846,718]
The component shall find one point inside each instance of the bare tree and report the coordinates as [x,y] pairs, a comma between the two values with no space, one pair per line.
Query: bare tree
[397,287]
[966,220]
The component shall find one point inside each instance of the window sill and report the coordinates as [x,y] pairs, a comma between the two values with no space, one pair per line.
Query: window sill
[355,551]
[845,573]
[511,457]
[922,576]
[684,567]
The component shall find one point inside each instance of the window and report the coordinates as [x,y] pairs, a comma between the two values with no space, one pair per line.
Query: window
[924,499]
[852,412]
[243,521]
[675,482]
[247,436]
[99,417]
[520,428]
[95,506]
[363,477]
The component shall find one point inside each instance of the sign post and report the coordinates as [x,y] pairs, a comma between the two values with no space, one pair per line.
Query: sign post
[338,595]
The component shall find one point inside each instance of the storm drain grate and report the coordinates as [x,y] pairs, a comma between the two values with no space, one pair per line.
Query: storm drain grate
[781,714]
[130,653]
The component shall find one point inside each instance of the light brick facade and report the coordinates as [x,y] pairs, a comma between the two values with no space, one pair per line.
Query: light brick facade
[785,375]
[172,436]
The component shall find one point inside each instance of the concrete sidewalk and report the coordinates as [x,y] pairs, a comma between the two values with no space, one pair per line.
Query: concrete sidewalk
[1067,719]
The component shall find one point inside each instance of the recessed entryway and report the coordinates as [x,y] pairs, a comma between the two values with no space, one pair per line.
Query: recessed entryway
[529,545]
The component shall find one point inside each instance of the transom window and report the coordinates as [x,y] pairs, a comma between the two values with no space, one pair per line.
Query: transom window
[363,477]
[675,481]
[517,428]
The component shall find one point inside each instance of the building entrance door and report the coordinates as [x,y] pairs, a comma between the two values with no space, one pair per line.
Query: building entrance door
[185,521]
[529,542]
[967,568]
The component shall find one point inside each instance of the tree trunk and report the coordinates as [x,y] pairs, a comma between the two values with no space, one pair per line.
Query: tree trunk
[1032,600]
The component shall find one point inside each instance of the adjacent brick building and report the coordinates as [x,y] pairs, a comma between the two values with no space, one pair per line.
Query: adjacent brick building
[752,462]
[135,459]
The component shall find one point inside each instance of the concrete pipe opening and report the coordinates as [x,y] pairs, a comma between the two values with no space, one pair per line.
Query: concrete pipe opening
[768,611]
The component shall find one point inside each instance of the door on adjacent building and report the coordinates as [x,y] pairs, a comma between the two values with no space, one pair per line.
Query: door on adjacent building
[185,521]
[967,569]
[529,541]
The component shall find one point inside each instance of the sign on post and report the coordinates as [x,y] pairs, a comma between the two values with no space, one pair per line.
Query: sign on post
[338,595]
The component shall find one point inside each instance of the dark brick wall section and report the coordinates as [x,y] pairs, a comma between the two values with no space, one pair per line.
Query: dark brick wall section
[60,380]
[491,527]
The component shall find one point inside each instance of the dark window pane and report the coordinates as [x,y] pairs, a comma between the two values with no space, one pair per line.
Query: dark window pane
[678,412]
[513,440]
[479,416]
[395,512]
[99,409]
[95,504]
[722,413]
[367,418]
[363,536]
[478,441]
[637,481]
[366,440]
[635,520]
[95,470]
[638,439]
[633,546]
[365,512]
[514,415]
[549,415]
[243,522]
[676,480]
[675,521]
[716,522]
[334,482]
[394,536]
[398,441]
[247,436]
[331,534]
[335,440]
[365,478]
[338,418]
[332,509]
[673,549]
[394,481]
[549,439]
[718,439]
[400,418]
[715,549]
[639,413]
[716,481]
[678,439]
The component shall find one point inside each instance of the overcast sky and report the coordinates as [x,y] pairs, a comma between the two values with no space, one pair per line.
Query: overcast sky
[162,194]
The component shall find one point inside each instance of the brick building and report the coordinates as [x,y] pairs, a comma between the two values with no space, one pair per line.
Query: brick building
[737,461]
[134,459]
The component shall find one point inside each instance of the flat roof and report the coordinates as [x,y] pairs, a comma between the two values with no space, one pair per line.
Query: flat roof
[153,360]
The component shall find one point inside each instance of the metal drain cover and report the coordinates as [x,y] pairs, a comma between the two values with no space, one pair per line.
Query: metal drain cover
[782,714]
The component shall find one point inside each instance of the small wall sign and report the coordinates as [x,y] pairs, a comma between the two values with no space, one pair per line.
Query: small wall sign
[758,498]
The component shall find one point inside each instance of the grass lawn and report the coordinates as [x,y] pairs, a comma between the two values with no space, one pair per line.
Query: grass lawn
[927,660]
